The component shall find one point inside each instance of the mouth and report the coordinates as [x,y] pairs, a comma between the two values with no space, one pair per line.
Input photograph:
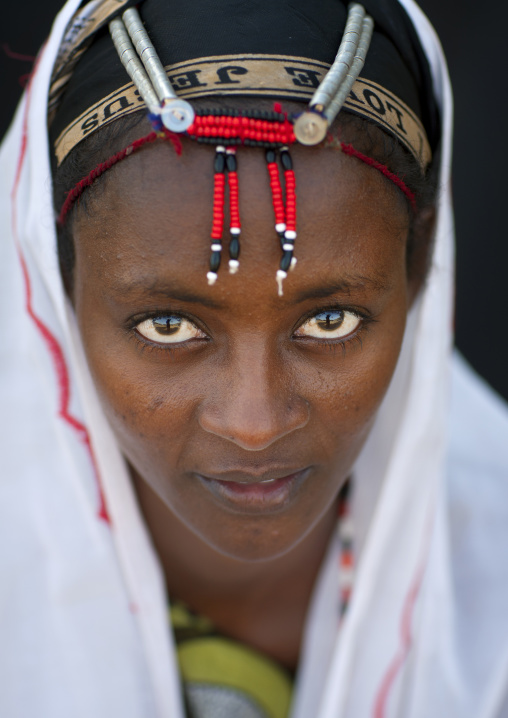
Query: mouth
[267,493]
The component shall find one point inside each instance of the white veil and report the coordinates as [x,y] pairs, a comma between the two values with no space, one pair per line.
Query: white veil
[83,619]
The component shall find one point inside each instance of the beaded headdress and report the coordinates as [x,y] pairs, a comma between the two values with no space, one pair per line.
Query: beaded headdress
[167,94]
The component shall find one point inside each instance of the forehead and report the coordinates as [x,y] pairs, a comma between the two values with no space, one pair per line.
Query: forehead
[150,219]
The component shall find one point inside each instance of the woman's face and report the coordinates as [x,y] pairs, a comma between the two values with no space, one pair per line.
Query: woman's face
[242,410]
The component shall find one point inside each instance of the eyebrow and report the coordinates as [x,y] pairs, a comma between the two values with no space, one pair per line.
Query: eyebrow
[346,285]
[140,288]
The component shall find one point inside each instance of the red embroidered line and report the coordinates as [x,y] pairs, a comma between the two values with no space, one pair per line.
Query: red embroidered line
[50,340]
[60,366]
[350,150]
[398,661]
[87,181]
[406,638]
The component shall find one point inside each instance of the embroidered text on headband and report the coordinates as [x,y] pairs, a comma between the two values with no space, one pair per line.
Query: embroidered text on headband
[170,113]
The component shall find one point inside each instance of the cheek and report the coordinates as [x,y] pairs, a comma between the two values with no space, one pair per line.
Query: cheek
[149,403]
[150,415]
[347,386]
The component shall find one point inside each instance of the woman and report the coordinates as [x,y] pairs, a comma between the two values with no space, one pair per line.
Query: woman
[190,432]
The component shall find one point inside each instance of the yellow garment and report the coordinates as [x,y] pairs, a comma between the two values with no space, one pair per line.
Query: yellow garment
[223,678]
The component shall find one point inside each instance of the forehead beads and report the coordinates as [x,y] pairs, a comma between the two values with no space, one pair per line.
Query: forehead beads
[273,131]
[285,216]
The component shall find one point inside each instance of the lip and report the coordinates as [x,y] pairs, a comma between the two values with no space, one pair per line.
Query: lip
[243,492]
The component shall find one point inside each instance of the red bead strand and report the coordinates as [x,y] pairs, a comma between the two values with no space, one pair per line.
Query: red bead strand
[219,191]
[234,202]
[285,215]
[277,200]
[219,188]
[289,177]
[234,209]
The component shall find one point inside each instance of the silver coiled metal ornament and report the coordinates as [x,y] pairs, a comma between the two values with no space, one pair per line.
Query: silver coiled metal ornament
[312,125]
[140,59]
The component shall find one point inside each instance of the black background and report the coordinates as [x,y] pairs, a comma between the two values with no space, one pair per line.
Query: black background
[474,39]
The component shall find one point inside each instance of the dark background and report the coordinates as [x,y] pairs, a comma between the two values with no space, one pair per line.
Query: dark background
[474,42]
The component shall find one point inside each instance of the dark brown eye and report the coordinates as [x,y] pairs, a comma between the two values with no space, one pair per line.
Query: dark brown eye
[167,325]
[167,329]
[332,324]
[328,321]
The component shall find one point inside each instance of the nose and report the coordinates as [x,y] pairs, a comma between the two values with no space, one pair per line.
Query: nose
[254,404]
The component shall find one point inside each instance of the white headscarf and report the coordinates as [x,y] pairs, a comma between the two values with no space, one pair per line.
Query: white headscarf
[83,611]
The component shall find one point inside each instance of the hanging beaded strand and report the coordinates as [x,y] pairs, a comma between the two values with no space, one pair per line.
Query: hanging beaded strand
[252,128]
[219,189]
[278,207]
[277,199]
[234,211]
[285,216]
[288,261]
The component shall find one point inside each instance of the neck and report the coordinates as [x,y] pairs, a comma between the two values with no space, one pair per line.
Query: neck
[263,603]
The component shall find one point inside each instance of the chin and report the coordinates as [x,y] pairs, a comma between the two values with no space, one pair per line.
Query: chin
[255,547]
[258,539]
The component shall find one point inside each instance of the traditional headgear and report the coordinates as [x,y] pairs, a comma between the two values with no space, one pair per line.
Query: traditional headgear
[241,61]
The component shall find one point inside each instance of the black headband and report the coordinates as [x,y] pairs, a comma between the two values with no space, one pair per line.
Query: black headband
[275,49]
